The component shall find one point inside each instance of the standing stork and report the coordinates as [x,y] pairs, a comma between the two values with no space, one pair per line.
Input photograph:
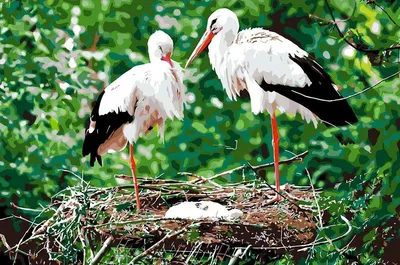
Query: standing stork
[277,74]
[143,97]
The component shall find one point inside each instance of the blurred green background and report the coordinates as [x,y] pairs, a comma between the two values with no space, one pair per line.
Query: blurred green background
[55,56]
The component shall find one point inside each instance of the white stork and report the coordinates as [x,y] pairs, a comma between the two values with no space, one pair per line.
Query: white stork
[277,74]
[132,105]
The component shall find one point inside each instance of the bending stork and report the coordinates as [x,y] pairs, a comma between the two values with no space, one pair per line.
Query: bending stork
[277,74]
[132,105]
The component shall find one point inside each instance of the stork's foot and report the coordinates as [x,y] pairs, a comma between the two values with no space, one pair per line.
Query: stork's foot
[285,187]
[277,198]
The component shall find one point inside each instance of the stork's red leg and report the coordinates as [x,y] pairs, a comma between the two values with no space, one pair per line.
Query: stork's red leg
[135,181]
[275,146]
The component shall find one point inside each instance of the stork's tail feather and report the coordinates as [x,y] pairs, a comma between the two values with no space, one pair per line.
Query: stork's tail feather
[93,157]
[90,146]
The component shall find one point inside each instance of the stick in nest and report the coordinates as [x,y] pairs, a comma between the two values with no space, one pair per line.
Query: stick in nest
[104,249]
[158,244]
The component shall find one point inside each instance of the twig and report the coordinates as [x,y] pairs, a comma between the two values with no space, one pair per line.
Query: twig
[337,21]
[18,217]
[304,247]
[197,247]
[298,157]
[135,221]
[387,14]
[26,209]
[189,186]
[156,245]
[245,251]
[331,240]
[235,256]
[104,249]
[5,218]
[277,192]
[353,95]
[316,199]
[200,179]
[4,241]
[357,47]
[22,242]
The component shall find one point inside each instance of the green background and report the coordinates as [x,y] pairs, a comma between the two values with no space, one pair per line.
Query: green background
[55,56]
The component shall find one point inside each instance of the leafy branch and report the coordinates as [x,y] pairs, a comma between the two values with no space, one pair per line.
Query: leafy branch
[359,47]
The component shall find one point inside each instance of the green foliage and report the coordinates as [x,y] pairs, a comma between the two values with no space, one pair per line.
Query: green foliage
[56,55]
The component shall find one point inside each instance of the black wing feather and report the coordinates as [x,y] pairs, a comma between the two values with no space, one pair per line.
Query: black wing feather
[336,113]
[106,125]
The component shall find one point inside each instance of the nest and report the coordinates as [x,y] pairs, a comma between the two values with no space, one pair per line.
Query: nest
[91,217]
[102,225]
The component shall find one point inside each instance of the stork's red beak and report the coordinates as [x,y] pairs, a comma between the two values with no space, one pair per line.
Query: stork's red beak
[203,43]
[167,58]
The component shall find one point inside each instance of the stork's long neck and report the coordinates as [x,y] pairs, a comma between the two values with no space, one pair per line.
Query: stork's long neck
[217,50]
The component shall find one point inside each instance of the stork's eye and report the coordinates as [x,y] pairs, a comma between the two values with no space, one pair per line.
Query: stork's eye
[212,23]
[160,49]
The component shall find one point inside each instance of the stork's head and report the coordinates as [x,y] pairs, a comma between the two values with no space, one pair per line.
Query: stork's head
[222,22]
[160,47]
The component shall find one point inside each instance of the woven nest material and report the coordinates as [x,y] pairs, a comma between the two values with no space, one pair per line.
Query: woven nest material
[91,217]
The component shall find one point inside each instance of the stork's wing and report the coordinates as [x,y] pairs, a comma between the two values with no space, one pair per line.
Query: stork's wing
[267,53]
[291,72]
[151,83]
[114,107]
[120,95]
[100,128]
[316,96]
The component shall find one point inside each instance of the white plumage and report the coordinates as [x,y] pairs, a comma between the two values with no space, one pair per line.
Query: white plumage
[255,55]
[202,210]
[149,93]
[276,73]
[131,106]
